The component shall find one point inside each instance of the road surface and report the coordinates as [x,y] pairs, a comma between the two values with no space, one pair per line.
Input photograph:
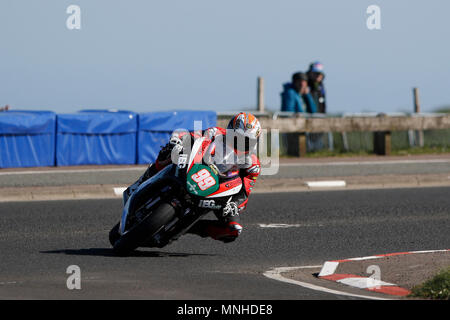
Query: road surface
[39,240]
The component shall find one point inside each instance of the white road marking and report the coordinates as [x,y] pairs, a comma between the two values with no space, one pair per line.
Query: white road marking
[364,282]
[119,191]
[278,225]
[326,184]
[329,267]
[275,274]
[430,251]
[364,258]
[286,225]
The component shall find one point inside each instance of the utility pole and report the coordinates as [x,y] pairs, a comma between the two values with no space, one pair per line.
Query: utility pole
[260,95]
[419,134]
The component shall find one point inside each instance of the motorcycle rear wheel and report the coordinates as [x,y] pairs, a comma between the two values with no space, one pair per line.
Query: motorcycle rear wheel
[126,243]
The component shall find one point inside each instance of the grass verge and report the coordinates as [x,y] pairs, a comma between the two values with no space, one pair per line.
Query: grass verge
[424,150]
[437,287]
[327,153]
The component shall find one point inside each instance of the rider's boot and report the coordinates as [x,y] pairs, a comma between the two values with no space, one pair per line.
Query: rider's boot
[226,229]
[217,230]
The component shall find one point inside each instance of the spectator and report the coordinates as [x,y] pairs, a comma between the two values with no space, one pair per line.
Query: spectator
[296,96]
[315,82]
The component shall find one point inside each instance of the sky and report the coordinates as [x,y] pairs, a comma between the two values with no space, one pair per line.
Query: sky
[148,55]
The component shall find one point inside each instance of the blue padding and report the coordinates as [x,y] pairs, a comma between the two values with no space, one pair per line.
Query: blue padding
[108,111]
[27,138]
[83,149]
[155,129]
[153,141]
[96,138]
[97,123]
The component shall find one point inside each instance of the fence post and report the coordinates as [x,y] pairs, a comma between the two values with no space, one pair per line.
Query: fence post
[382,141]
[419,133]
[260,94]
[302,144]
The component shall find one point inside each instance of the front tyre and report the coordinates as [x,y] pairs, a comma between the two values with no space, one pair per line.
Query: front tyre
[114,234]
[156,220]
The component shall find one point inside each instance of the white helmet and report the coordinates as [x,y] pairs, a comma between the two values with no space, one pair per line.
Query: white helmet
[247,126]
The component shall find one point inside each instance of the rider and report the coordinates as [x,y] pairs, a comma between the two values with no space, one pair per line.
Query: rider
[227,227]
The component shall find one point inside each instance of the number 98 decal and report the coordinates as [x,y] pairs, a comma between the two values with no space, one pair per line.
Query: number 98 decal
[203,179]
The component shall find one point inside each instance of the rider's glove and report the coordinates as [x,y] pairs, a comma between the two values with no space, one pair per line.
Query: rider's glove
[175,140]
[171,150]
[176,144]
[164,153]
[177,149]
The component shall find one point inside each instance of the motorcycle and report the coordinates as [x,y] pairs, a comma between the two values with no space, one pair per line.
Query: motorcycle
[167,205]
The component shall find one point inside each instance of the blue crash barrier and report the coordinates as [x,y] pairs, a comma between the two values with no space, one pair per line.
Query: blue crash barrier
[27,138]
[108,111]
[42,138]
[134,114]
[155,129]
[96,137]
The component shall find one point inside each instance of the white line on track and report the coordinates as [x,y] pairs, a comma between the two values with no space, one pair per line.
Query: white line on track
[275,274]
[287,225]
[119,191]
[326,184]
[278,225]
[364,282]
[328,268]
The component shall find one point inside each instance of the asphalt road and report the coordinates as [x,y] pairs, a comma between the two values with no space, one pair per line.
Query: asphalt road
[64,176]
[39,240]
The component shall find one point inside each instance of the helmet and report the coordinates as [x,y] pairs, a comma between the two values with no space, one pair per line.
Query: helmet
[247,129]
[316,67]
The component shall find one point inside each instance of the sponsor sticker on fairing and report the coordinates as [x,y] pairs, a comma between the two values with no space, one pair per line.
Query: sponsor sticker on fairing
[209,204]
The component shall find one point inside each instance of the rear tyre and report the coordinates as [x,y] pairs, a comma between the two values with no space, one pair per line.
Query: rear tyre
[161,216]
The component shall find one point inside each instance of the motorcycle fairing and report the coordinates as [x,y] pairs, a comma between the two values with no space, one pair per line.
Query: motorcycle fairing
[227,188]
[140,190]
[202,187]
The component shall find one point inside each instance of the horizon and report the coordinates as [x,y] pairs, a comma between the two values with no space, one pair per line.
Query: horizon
[152,56]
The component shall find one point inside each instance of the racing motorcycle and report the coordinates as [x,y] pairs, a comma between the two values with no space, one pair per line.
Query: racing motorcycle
[165,206]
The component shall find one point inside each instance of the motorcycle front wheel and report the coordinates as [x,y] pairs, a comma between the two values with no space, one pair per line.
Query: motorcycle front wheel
[123,245]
